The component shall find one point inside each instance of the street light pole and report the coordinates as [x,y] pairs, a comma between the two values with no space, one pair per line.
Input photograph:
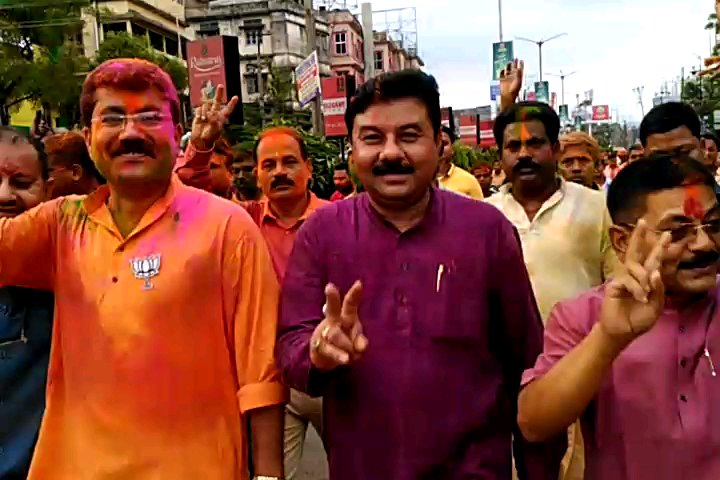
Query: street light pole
[562,82]
[540,44]
[500,19]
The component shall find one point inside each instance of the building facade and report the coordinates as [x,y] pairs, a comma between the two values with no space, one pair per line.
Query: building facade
[346,45]
[269,32]
[162,22]
[390,56]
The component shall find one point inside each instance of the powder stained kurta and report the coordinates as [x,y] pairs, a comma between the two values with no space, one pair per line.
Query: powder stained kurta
[149,380]
[452,322]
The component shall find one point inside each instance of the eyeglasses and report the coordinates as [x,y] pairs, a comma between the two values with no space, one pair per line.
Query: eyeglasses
[685,230]
[147,120]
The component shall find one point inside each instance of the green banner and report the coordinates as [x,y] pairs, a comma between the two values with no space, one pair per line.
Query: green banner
[502,55]
[564,115]
[542,92]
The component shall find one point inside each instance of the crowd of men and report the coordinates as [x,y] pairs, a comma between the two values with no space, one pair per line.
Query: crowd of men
[174,309]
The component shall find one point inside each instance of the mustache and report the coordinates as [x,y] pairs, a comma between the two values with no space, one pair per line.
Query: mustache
[701,260]
[524,163]
[134,145]
[281,182]
[392,168]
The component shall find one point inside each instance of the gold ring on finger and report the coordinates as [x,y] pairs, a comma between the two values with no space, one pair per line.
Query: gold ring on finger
[316,344]
[326,331]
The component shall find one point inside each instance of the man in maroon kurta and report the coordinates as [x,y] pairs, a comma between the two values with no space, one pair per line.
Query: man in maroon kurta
[420,363]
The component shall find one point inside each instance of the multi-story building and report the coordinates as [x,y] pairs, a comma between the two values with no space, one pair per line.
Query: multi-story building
[390,56]
[346,45]
[161,21]
[269,31]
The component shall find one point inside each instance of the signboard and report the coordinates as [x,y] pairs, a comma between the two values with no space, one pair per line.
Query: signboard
[564,114]
[307,79]
[553,100]
[542,92]
[494,91]
[502,55]
[487,138]
[446,118]
[531,96]
[469,129]
[334,104]
[206,69]
[600,113]
[211,62]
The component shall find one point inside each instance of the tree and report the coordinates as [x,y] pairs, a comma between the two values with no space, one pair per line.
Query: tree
[34,51]
[466,157]
[703,93]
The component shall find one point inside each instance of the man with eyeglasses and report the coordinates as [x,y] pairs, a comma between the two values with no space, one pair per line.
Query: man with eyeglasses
[636,359]
[166,305]
[25,315]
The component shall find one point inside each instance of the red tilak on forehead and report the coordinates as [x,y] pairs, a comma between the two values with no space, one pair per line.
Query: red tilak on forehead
[692,206]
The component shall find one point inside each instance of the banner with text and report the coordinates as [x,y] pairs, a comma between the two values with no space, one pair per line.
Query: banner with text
[469,129]
[307,79]
[206,69]
[334,104]
[564,115]
[600,113]
[542,92]
[502,55]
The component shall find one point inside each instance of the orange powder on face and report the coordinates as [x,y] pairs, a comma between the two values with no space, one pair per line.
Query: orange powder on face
[692,206]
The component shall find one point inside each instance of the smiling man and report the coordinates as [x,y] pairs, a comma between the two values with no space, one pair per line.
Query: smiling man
[160,350]
[419,378]
[636,359]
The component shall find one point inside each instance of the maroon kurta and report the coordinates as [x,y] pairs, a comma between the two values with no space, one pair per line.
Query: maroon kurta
[452,323]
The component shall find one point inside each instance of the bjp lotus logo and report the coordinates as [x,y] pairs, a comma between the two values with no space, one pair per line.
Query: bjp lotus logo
[145,268]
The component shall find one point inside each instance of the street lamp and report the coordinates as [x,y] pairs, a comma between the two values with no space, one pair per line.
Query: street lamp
[540,44]
[259,32]
[563,76]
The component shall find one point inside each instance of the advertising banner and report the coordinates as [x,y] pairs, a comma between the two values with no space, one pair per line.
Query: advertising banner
[469,129]
[494,92]
[600,113]
[542,92]
[553,100]
[307,79]
[502,55]
[564,114]
[206,69]
[334,104]
[487,139]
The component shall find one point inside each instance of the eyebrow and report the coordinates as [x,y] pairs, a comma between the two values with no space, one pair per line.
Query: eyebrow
[681,218]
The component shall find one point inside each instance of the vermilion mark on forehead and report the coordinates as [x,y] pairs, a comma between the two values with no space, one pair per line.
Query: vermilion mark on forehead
[692,206]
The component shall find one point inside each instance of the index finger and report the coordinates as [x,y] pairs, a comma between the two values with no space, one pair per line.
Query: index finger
[655,259]
[351,303]
[333,305]
[634,251]
[227,111]
[219,97]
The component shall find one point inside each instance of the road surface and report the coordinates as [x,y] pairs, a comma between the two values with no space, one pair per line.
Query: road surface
[314,464]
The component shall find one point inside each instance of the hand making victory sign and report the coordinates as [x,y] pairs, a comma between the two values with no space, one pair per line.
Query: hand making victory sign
[338,339]
[210,119]
[635,299]
[511,80]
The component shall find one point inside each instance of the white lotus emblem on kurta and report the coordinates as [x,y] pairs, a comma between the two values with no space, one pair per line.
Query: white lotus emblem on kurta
[145,268]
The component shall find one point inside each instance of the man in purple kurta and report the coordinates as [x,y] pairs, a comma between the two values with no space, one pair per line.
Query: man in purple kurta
[420,363]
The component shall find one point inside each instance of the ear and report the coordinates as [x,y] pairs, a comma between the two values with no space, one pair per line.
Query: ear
[178,134]
[309,165]
[77,172]
[87,133]
[619,238]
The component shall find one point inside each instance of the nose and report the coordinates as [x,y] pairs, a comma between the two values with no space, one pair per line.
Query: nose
[130,129]
[391,150]
[701,241]
[7,194]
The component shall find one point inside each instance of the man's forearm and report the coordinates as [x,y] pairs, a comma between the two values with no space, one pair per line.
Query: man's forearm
[550,404]
[267,425]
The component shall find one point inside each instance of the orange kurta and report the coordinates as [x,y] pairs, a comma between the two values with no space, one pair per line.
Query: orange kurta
[149,380]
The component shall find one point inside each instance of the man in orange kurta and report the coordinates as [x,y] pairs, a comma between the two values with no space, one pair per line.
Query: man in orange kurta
[166,305]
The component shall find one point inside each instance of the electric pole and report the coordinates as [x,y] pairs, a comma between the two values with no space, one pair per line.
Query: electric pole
[562,76]
[310,47]
[639,92]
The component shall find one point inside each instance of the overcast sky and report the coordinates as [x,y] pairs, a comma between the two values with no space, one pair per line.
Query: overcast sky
[614,45]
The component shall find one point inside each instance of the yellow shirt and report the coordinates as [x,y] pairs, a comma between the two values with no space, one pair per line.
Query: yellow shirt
[162,341]
[460,181]
[566,247]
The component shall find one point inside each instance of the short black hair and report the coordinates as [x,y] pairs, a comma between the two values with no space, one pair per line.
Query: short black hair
[527,112]
[341,166]
[394,86]
[635,146]
[709,135]
[9,135]
[627,196]
[450,133]
[669,116]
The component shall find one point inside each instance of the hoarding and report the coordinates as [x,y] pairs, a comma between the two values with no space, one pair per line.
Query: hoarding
[334,104]
[307,79]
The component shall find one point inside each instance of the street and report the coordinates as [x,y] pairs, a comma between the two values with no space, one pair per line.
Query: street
[313,465]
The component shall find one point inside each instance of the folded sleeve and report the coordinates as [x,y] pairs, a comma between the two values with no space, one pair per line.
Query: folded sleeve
[254,291]
[27,247]
[194,168]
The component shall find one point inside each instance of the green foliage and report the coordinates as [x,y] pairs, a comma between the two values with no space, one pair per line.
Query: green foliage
[703,94]
[466,157]
[124,45]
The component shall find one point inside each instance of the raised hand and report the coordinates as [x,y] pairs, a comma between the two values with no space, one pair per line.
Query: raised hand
[635,299]
[511,79]
[338,339]
[210,119]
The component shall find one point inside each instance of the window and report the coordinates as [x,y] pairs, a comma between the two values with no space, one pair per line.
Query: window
[157,41]
[360,51]
[138,31]
[379,62]
[114,28]
[251,84]
[253,37]
[340,44]
[171,46]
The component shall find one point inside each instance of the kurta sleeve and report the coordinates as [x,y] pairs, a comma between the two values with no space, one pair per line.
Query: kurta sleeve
[611,264]
[253,289]
[27,247]
[302,298]
[519,334]
[194,169]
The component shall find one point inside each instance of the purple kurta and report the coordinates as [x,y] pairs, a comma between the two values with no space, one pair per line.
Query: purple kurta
[452,323]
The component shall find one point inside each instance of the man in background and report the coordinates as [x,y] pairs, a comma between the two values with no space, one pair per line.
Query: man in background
[71,172]
[244,176]
[482,172]
[343,183]
[450,176]
[635,153]
[709,142]
[579,159]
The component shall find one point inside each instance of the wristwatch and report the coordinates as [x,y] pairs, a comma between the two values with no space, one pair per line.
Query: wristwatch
[262,477]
